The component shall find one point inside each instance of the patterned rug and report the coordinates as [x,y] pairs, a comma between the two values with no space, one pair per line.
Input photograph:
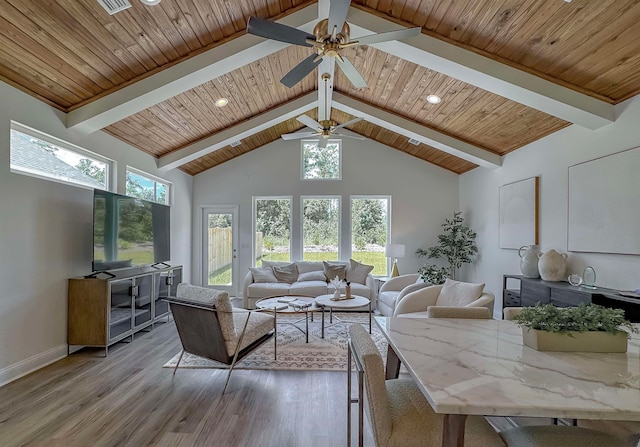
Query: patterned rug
[328,354]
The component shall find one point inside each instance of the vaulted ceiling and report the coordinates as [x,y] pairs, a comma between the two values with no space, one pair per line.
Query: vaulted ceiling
[509,72]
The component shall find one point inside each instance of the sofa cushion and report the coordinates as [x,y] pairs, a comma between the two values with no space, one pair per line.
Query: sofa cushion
[312,276]
[286,273]
[309,266]
[263,274]
[264,289]
[358,272]
[259,324]
[331,270]
[274,263]
[309,288]
[456,293]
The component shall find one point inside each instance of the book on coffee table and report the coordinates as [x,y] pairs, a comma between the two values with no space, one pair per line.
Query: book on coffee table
[286,299]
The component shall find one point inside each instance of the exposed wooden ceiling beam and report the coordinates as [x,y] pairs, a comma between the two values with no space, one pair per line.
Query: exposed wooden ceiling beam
[410,129]
[183,76]
[486,73]
[241,130]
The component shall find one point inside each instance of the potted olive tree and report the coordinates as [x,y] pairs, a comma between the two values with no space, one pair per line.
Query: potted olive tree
[585,328]
[456,245]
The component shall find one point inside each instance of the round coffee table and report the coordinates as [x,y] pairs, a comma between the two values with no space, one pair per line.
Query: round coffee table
[324,301]
[287,304]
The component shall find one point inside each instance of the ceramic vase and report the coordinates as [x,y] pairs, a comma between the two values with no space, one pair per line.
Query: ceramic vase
[552,265]
[529,260]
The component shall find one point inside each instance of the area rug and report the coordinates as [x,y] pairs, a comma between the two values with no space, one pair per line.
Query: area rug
[328,354]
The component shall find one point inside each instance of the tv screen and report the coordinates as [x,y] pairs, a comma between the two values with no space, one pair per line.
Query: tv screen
[128,231]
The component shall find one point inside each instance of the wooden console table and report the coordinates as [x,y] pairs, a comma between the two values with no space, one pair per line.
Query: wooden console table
[563,294]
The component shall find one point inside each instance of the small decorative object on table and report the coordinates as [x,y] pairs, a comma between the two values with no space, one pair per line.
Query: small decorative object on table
[348,290]
[585,328]
[529,261]
[575,279]
[335,282]
[552,265]
[589,277]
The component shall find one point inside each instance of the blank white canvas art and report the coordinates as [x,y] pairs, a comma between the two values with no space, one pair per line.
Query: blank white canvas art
[518,215]
[604,204]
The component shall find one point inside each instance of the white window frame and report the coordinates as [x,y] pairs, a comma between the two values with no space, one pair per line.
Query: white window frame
[254,226]
[321,197]
[155,179]
[110,164]
[331,141]
[365,196]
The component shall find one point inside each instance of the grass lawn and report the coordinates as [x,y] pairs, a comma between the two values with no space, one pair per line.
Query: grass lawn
[377,259]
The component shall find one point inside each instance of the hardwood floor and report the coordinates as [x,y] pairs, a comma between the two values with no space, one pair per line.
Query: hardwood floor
[128,399]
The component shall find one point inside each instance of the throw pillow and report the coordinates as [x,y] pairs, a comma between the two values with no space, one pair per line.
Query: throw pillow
[286,273]
[456,293]
[309,266]
[312,276]
[332,270]
[274,263]
[358,272]
[263,274]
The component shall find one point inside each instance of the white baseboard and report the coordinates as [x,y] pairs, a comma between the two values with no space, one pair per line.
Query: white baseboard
[26,366]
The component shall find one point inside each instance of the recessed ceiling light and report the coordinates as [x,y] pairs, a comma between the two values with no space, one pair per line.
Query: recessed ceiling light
[433,99]
[150,2]
[222,102]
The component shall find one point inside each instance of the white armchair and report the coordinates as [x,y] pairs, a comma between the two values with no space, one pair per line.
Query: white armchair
[395,289]
[456,294]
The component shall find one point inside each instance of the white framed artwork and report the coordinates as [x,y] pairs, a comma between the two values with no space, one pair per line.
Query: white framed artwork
[604,204]
[518,223]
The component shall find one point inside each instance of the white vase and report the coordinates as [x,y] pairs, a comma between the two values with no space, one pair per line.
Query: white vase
[552,265]
[529,260]
[336,294]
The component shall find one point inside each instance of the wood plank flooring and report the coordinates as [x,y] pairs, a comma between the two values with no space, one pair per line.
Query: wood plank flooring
[128,399]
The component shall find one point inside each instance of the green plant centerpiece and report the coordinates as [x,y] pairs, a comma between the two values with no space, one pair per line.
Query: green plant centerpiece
[456,245]
[584,328]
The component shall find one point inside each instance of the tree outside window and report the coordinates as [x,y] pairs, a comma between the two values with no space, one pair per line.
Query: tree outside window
[273,229]
[369,230]
[321,163]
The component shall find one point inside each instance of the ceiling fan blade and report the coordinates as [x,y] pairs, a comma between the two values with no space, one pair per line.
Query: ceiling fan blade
[299,135]
[309,122]
[348,123]
[338,10]
[298,72]
[355,137]
[390,35]
[322,142]
[351,73]
[277,31]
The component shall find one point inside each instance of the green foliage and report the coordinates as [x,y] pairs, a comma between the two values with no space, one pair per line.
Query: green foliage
[219,220]
[88,168]
[273,218]
[320,222]
[456,245]
[433,274]
[369,217]
[318,163]
[583,318]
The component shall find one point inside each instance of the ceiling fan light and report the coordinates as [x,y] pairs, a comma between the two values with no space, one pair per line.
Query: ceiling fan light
[150,2]
[221,102]
[434,99]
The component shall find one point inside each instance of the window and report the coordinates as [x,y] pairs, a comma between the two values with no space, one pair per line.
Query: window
[147,187]
[39,155]
[321,163]
[320,228]
[369,231]
[272,218]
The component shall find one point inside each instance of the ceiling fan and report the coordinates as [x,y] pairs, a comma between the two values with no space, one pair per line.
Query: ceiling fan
[330,36]
[324,129]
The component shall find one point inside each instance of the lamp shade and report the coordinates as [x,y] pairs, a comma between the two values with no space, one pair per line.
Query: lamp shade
[394,250]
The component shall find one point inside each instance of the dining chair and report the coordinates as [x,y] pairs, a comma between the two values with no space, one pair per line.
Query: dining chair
[398,412]
[209,327]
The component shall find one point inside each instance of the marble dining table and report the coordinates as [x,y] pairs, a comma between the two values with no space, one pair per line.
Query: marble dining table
[481,367]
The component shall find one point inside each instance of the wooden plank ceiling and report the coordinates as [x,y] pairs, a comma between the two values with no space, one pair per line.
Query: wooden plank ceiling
[69,53]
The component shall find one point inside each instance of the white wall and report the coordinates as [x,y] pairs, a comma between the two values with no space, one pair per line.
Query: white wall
[45,235]
[423,195]
[548,158]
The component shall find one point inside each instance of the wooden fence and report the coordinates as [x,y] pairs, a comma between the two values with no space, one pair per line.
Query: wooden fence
[221,249]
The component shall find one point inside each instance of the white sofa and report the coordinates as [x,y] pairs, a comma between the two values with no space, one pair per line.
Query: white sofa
[395,289]
[253,290]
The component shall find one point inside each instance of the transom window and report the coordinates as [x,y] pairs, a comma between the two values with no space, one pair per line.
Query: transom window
[272,220]
[39,155]
[148,187]
[321,163]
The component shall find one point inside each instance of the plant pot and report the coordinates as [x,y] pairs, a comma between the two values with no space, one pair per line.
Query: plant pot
[594,341]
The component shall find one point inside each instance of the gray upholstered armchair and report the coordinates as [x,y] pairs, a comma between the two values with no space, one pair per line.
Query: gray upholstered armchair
[209,327]
[395,289]
[454,295]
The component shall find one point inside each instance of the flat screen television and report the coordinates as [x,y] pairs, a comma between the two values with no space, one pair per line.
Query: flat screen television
[128,231]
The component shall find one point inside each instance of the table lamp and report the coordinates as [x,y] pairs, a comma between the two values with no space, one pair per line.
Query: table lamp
[394,251]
